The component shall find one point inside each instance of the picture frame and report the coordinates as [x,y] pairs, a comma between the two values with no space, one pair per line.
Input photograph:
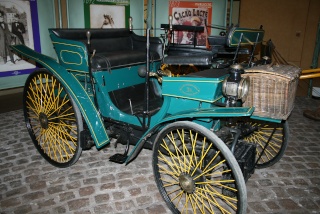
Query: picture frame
[193,14]
[26,13]
[106,13]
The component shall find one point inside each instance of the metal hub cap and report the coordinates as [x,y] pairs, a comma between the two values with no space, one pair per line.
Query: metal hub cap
[43,119]
[187,183]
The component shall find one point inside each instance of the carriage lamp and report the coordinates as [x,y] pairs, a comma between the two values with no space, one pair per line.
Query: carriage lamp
[235,87]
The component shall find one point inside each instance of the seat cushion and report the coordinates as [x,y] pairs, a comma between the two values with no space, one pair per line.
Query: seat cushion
[201,59]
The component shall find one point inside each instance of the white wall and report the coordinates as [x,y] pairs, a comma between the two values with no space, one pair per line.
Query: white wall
[75,14]
[46,16]
[46,20]
[137,14]
[76,18]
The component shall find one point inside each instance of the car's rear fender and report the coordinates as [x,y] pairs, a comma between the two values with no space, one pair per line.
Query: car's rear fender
[76,90]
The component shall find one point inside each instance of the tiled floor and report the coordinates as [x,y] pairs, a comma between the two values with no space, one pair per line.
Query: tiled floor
[28,184]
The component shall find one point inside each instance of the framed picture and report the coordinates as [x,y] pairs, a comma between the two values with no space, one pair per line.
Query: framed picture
[106,14]
[194,14]
[18,25]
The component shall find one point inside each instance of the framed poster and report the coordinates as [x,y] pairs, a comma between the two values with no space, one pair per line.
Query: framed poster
[18,25]
[106,13]
[194,14]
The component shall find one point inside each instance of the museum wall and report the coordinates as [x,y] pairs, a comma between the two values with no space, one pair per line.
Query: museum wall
[291,25]
[72,15]
[46,19]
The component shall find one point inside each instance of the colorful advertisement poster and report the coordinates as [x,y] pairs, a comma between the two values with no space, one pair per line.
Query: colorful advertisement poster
[193,14]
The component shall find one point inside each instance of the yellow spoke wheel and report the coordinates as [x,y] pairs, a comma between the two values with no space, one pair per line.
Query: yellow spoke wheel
[196,172]
[53,120]
[271,140]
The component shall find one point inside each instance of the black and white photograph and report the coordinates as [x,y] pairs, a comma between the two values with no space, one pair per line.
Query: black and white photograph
[107,16]
[15,28]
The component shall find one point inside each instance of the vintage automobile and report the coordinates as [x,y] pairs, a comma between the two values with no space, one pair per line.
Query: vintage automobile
[113,84]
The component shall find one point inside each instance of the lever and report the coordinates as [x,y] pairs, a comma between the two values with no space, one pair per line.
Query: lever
[170,23]
[130,23]
[130,106]
[88,37]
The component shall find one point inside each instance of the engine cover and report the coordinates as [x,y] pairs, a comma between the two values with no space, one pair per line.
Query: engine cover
[245,154]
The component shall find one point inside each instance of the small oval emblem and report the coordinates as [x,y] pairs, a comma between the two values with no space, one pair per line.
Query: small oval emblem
[189,89]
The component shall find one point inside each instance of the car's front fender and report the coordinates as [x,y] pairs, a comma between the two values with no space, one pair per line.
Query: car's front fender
[190,115]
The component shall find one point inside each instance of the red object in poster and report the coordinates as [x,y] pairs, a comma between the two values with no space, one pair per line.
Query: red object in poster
[194,14]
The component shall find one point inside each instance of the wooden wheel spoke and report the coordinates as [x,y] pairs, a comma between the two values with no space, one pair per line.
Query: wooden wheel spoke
[214,193]
[61,145]
[270,154]
[64,137]
[185,149]
[177,150]
[208,197]
[172,164]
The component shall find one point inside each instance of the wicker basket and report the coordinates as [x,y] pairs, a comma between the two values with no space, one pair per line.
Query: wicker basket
[272,90]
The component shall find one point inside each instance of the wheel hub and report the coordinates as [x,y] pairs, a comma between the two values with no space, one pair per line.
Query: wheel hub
[43,120]
[187,183]
[247,129]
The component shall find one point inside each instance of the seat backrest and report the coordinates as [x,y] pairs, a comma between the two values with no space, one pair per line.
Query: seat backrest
[183,35]
[96,33]
[244,36]
[102,40]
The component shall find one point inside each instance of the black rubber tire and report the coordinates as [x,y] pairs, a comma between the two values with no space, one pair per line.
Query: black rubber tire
[191,161]
[52,118]
[278,143]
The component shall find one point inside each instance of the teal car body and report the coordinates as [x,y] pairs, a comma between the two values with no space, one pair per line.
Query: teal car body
[184,97]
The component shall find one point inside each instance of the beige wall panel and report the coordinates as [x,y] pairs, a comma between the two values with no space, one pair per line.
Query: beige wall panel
[310,35]
[292,26]
[284,23]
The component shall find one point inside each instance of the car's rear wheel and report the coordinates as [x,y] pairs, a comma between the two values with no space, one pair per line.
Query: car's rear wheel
[271,140]
[53,119]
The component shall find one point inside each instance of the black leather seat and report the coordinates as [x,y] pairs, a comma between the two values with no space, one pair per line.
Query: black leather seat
[187,54]
[114,48]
